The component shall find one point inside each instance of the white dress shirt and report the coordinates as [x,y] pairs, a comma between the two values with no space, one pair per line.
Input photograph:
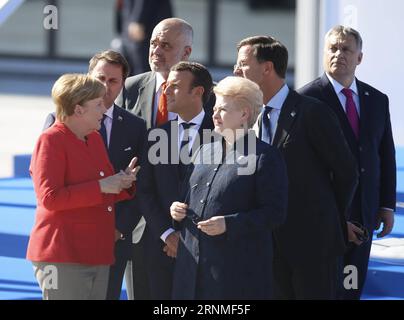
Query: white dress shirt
[193,131]
[342,99]
[108,122]
[276,103]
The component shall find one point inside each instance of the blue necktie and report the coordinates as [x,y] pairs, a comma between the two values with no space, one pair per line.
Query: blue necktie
[185,137]
[184,144]
[103,131]
[266,135]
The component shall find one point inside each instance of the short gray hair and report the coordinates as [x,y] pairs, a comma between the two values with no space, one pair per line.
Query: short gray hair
[345,31]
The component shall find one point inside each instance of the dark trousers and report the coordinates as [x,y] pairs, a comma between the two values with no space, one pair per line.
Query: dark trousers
[308,280]
[117,271]
[160,269]
[357,256]
[136,276]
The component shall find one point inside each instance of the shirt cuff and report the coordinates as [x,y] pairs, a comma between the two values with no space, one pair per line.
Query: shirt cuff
[166,234]
[387,209]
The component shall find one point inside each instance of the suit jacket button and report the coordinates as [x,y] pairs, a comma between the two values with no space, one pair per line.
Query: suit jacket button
[215,169]
[102,173]
[208,184]
[201,201]
[109,209]
[362,170]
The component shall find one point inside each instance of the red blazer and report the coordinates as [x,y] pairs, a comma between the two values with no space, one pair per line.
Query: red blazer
[74,221]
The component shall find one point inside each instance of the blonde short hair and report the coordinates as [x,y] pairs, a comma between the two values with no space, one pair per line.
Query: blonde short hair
[73,89]
[244,92]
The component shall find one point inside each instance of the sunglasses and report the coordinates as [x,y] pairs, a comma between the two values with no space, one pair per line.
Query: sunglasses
[361,237]
[190,213]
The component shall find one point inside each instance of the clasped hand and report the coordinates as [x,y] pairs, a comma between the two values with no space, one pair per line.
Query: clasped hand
[212,227]
[121,180]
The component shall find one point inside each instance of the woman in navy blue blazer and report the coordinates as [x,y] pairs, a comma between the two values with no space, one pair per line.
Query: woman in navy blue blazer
[237,195]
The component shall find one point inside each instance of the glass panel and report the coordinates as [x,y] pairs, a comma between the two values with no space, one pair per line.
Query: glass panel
[85,27]
[23,32]
[236,20]
[195,12]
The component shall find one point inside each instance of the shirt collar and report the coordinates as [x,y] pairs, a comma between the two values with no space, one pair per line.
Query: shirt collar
[110,112]
[279,98]
[338,87]
[196,120]
[159,81]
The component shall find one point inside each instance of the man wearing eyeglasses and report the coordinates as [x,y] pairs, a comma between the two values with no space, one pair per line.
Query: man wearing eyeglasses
[321,170]
[165,169]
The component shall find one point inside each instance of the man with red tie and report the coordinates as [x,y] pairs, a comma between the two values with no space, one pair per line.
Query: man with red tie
[170,43]
[143,95]
[363,113]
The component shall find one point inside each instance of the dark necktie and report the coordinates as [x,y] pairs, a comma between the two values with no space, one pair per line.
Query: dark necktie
[103,131]
[184,148]
[351,112]
[266,135]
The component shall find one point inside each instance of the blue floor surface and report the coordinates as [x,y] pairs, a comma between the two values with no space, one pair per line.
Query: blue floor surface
[17,210]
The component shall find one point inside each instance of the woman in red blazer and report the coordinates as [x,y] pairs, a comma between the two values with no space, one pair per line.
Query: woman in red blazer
[72,242]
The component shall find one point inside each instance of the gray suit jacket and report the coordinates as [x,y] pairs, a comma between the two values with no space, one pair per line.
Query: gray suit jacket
[138,95]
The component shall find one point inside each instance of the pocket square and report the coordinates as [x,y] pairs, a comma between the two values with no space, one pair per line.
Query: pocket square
[128,149]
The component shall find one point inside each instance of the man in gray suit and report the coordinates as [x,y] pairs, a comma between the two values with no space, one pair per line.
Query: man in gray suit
[170,43]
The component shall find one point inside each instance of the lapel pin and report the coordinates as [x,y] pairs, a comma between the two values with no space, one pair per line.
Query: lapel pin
[120,118]
[293,113]
[366,93]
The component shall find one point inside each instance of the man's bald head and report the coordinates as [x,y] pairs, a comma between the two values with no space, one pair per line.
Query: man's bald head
[170,43]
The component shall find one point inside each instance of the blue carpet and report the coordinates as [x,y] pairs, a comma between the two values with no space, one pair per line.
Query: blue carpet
[17,210]
[17,213]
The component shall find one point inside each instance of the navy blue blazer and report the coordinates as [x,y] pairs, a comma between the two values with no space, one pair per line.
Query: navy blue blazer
[375,152]
[127,140]
[159,185]
[322,179]
[238,263]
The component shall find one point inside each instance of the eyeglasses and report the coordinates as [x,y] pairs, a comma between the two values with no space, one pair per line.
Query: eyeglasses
[193,217]
[361,237]
[190,213]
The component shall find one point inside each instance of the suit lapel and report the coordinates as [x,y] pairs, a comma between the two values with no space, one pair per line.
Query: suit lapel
[146,100]
[364,102]
[286,119]
[331,98]
[207,123]
[257,127]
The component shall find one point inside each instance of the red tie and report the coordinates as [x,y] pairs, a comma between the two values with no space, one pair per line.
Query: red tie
[351,112]
[162,113]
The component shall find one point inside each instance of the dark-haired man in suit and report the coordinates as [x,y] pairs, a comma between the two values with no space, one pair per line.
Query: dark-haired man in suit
[363,113]
[124,135]
[189,86]
[143,95]
[321,172]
